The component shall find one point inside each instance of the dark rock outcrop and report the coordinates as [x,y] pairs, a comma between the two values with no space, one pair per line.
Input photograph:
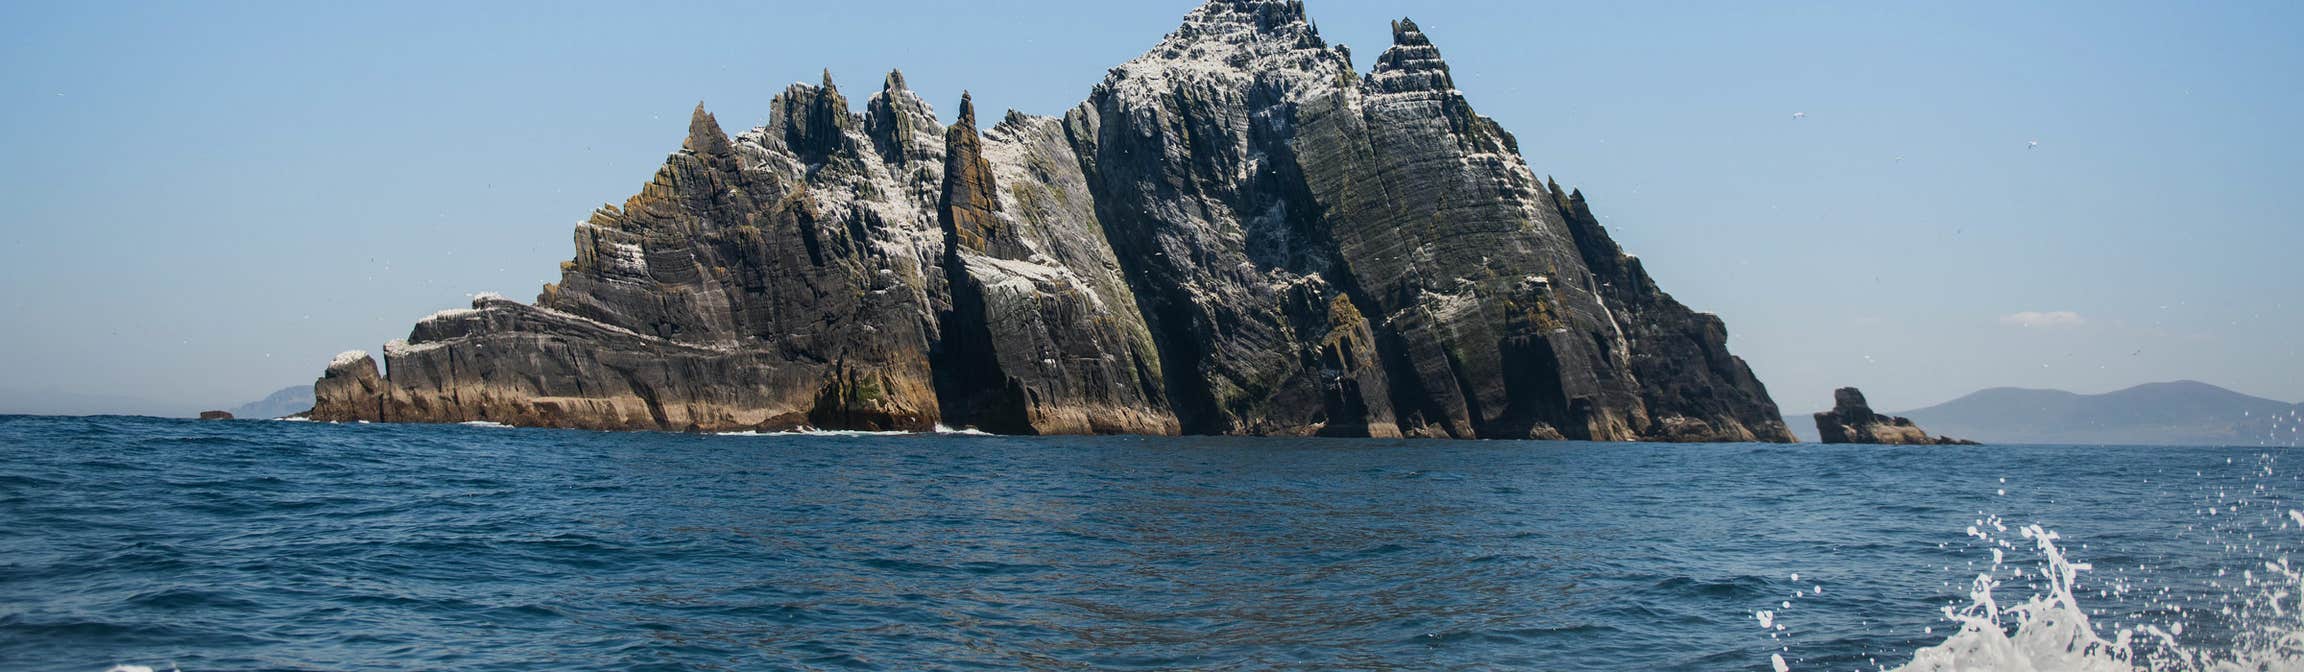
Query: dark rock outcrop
[1851,420]
[215,415]
[1235,234]
[351,389]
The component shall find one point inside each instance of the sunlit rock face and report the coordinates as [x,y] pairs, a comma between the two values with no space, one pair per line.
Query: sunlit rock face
[1237,233]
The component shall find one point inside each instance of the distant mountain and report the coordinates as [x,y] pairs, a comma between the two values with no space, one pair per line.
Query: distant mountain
[2178,413]
[288,401]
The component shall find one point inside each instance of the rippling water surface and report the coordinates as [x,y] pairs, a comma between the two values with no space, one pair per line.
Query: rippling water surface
[272,545]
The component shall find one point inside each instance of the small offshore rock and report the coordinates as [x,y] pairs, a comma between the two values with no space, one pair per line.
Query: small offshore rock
[1851,420]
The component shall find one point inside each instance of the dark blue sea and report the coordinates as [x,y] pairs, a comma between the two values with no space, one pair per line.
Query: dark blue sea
[258,545]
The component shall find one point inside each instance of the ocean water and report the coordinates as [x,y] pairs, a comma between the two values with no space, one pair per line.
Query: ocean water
[293,546]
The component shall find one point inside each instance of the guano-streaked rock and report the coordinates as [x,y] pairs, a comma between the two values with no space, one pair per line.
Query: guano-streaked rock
[1236,233]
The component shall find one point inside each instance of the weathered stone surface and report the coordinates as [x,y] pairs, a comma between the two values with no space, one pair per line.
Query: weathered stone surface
[1234,234]
[1044,336]
[1185,149]
[1693,388]
[1851,420]
[350,389]
[1439,223]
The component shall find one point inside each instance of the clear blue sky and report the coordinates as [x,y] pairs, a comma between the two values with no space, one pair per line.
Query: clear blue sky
[205,201]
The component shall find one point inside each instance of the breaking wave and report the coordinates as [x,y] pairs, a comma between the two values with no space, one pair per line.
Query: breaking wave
[805,431]
[2254,621]
[940,430]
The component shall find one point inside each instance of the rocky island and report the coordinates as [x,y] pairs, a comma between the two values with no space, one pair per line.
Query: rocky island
[1851,420]
[1236,233]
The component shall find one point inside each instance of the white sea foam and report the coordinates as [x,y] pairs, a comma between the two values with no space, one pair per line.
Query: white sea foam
[2051,629]
[484,423]
[851,433]
[941,429]
[811,431]
[2045,632]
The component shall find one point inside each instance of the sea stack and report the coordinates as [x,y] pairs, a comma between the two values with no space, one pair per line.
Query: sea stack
[1851,420]
[1236,233]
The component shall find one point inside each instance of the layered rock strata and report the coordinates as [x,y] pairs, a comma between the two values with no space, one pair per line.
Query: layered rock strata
[1236,233]
[1851,420]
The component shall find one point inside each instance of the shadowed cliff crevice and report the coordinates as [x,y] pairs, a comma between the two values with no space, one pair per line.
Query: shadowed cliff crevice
[647,394]
[970,384]
[1172,325]
[1360,362]
[1044,335]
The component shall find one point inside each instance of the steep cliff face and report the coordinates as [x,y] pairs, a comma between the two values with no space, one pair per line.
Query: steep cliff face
[350,389]
[1442,226]
[1692,388]
[1186,150]
[1044,336]
[1235,233]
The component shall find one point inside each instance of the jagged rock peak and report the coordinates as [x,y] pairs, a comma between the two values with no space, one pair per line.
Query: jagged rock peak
[1412,64]
[704,133]
[969,210]
[1238,21]
[1406,34]
[1234,41]
[902,127]
[1266,15]
[1013,122]
[811,120]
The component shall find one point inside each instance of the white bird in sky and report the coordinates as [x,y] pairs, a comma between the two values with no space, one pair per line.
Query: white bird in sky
[1799,115]
[2035,144]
